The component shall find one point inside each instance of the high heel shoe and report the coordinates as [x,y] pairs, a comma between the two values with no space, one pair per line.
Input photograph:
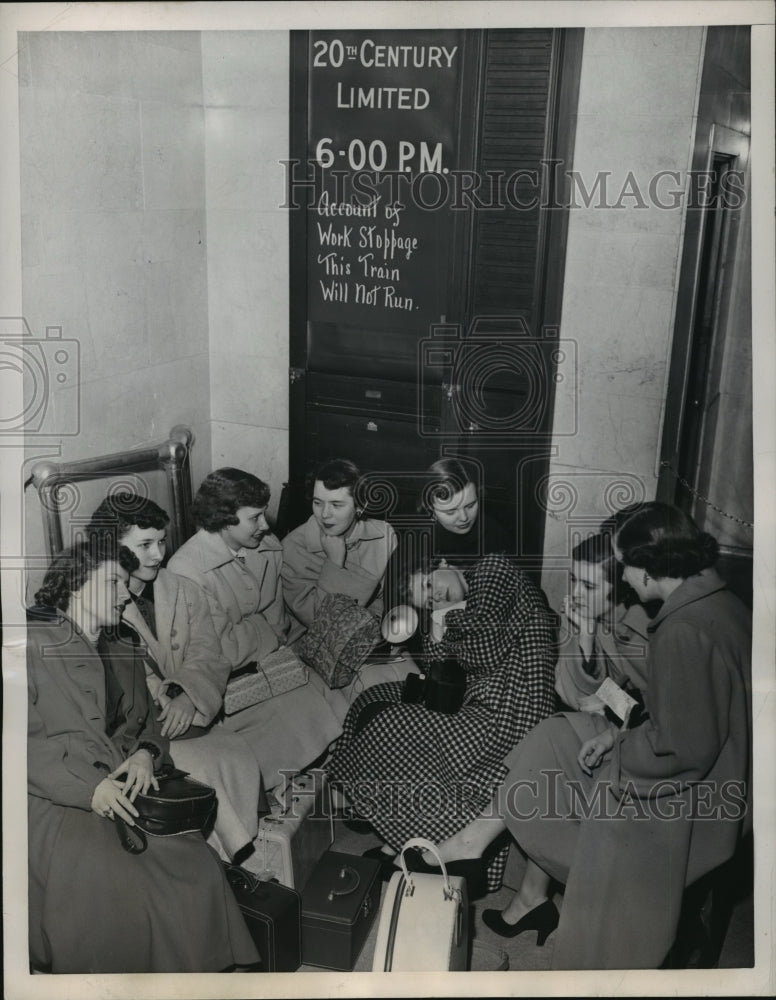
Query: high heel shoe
[474,870]
[542,918]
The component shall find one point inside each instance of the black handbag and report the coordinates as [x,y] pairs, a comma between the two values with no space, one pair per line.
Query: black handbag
[182,805]
[441,689]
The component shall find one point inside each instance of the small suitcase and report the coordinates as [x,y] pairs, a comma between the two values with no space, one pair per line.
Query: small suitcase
[273,915]
[296,833]
[424,921]
[339,906]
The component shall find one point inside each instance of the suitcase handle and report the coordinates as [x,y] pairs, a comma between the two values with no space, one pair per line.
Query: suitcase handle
[346,872]
[426,845]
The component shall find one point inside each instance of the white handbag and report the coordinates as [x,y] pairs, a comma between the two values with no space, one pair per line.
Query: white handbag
[424,920]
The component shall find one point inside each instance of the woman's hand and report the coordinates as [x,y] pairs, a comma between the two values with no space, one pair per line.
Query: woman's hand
[139,771]
[592,751]
[109,800]
[335,548]
[591,703]
[177,715]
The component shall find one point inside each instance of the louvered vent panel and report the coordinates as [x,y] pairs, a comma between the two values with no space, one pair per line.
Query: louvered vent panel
[512,141]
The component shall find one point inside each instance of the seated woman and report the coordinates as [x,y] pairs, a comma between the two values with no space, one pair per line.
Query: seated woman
[607,629]
[337,550]
[186,671]
[237,561]
[460,528]
[93,745]
[627,817]
[413,772]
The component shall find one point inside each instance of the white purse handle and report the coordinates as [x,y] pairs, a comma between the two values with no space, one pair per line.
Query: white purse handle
[427,845]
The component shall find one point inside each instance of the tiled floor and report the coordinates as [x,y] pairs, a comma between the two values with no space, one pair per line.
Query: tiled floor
[522,951]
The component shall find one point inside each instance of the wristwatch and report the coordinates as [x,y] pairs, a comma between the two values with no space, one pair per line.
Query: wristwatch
[152,748]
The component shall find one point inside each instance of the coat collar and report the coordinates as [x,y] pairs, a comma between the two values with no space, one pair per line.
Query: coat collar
[693,589]
[215,552]
[367,530]
[633,617]
[61,632]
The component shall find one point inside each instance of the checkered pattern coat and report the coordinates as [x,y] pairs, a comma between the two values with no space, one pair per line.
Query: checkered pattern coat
[417,773]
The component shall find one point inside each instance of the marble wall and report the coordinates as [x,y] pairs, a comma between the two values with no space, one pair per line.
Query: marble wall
[245,82]
[636,117]
[114,248]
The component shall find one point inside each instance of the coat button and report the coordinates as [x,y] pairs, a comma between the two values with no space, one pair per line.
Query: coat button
[174,645]
[173,633]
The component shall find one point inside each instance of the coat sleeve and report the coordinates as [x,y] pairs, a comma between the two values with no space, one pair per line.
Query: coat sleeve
[307,579]
[301,574]
[152,733]
[500,598]
[377,605]
[241,639]
[59,769]
[687,700]
[205,670]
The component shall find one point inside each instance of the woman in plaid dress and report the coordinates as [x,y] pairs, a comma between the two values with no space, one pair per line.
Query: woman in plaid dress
[413,772]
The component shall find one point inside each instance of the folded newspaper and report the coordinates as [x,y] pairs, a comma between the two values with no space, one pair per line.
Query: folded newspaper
[617,700]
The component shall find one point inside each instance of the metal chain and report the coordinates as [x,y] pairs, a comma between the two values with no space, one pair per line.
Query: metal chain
[703,499]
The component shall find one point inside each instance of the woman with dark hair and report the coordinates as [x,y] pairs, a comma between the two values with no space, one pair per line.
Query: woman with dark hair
[93,745]
[461,529]
[237,562]
[627,816]
[337,550]
[392,754]
[186,672]
[606,632]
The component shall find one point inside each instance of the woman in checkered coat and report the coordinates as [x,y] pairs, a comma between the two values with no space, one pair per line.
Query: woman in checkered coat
[413,772]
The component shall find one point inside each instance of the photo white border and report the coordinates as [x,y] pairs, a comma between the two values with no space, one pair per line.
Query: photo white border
[264,16]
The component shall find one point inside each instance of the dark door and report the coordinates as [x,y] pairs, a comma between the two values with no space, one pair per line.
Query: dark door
[427,252]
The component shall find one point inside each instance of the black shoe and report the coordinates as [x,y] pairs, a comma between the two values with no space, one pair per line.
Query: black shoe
[542,918]
[358,825]
[474,870]
[387,861]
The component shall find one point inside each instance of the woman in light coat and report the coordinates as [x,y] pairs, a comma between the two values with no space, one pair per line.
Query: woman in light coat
[186,671]
[337,550]
[236,562]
